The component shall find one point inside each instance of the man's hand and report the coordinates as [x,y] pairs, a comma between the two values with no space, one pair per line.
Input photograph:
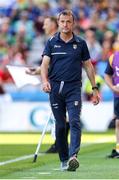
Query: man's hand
[115,89]
[33,71]
[46,87]
[96,97]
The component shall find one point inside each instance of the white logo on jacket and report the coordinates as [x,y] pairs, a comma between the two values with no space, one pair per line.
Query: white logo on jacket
[57,46]
[75,46]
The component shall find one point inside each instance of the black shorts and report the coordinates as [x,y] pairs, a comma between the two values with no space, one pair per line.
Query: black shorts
[116,107]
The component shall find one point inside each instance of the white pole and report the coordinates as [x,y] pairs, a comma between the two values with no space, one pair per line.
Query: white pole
[41,138]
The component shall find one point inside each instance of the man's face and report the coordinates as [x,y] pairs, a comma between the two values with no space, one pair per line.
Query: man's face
[66,23]
[47,26]
[90,36]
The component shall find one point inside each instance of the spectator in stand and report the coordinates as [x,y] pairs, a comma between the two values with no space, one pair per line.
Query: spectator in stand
[116,43]
[4,50]
[106,52]
[37,45]
[62,5]
[81,5]
[109,36]
[19,54]
[33,10]
[45,8]
[101,28]
[84,21]
[94,47]
[113,20]
[26,24]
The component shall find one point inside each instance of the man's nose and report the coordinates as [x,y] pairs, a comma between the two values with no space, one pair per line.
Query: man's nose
[65,23]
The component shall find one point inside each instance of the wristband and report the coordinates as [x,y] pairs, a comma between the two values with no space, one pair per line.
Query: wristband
[95,87]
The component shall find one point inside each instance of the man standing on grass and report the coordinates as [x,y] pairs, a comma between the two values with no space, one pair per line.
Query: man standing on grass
[50,27]
[112,80]
[61,69]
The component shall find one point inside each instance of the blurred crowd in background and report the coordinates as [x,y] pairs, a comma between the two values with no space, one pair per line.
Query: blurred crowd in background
[22,38]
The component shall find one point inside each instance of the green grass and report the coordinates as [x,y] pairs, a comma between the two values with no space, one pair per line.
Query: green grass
[92,157]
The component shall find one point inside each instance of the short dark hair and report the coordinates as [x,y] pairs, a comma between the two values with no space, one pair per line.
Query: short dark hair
[66,12]
[53,19]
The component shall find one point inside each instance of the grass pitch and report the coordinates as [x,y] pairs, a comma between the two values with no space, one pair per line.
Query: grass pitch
[92,158]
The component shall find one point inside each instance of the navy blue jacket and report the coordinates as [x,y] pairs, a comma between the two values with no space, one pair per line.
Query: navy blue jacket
[66,58]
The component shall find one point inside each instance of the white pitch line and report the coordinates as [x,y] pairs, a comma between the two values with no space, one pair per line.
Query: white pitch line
[19,159]
[28,177]
[44,173]
[41,154]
